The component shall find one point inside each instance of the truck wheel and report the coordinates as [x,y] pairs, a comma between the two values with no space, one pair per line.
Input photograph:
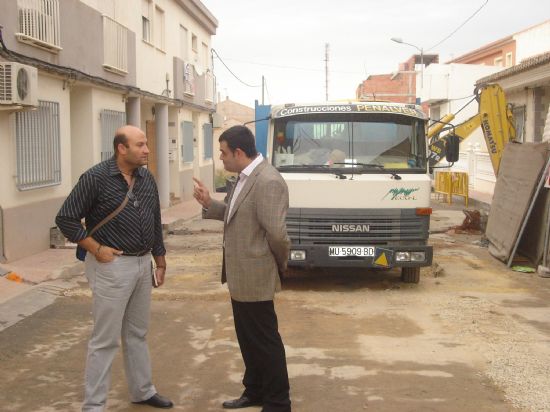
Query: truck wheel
[410,275]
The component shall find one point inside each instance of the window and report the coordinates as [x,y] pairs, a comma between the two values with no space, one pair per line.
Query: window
[187,142]
[39,23]
[519,119]
[509,60]
[194,47]
[183,43]
[110,121]
[498,62]
[391,141]
[159,28]
[38,152]
[208,140]
[146,20]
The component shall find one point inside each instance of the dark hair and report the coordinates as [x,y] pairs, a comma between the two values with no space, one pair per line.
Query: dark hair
[120,138]
[240,137]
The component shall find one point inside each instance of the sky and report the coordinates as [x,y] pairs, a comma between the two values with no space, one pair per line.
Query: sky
[284,41]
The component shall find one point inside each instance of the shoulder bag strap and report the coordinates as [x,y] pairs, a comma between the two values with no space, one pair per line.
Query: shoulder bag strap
[116,211]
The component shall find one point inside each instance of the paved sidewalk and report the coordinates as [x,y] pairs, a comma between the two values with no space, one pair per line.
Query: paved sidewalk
[55,264]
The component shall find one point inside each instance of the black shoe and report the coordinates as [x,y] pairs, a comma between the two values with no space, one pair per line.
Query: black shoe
[242,402]
[157,401]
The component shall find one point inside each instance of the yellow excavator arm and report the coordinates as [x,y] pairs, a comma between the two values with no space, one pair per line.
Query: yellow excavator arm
[496,121]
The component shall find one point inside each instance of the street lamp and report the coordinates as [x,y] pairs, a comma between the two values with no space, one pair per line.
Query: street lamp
[421,50]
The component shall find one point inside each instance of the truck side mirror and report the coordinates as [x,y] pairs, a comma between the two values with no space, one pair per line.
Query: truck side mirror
[452,148]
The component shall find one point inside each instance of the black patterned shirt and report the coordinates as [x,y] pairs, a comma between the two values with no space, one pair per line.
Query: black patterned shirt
[99,191]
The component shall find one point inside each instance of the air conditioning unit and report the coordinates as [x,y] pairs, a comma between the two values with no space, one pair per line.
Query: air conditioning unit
[18,84]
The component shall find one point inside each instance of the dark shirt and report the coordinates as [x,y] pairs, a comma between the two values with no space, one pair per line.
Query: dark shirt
[99,191]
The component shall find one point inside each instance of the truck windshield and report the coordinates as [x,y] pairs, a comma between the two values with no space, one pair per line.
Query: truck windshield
[389,141]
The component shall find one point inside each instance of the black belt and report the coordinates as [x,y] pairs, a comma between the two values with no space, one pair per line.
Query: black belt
[140,253]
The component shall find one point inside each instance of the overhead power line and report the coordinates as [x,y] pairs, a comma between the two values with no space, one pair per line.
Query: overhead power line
[459,27]
[230,71]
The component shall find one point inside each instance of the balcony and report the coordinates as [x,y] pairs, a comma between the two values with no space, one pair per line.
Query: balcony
[39,24]
[115,46]
[192,86]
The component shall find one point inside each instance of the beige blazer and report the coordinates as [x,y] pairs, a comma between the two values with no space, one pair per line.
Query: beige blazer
[256,243]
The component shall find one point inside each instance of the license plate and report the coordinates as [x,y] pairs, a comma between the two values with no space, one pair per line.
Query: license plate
[361,251]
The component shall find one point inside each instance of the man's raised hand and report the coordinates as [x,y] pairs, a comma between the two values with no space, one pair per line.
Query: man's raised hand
[201,193]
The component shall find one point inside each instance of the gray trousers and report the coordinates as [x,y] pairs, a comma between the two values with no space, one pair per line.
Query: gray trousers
[121,292]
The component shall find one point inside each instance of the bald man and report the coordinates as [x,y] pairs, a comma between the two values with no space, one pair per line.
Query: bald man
[118,265]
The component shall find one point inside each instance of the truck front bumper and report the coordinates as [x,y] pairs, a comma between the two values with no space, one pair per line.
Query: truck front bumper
[384,257]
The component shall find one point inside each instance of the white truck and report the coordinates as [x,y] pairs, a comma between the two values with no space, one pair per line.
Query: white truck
[358,181]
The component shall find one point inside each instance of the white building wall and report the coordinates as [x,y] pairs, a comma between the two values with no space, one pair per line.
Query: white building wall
[49,89]
[154,61]
[532,41]
[82,140]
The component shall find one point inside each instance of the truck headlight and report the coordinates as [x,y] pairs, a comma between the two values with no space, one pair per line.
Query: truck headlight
[297,255]
[418,256]
[403,256]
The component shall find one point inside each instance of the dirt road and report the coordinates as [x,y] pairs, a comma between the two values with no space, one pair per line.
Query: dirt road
[472,336]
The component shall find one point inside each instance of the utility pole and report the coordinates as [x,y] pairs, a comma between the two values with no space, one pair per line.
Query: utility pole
[326,70]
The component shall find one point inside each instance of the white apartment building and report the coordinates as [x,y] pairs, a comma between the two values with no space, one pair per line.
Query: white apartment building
[71,72]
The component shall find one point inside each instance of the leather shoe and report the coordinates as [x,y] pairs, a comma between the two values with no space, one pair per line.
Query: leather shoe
[157,401]
[242,402]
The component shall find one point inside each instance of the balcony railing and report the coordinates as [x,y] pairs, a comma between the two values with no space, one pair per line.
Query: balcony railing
[39,23]
[115,46]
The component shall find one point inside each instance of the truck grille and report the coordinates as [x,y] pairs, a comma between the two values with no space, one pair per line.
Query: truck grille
[385,227]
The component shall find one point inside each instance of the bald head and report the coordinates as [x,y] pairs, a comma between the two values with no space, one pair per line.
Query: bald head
[124,134]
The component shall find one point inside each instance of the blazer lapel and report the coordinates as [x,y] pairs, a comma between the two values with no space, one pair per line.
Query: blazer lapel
[250,180]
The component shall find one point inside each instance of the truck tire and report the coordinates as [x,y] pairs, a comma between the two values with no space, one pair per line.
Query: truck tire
[410,275]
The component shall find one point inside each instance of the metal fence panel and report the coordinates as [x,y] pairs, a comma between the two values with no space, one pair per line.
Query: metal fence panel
[38,148]
[111,120]
[39,20]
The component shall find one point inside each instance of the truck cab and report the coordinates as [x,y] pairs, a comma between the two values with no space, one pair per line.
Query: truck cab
[358,181]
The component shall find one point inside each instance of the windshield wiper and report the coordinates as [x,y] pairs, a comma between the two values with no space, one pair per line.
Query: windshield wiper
[360,164]
[303,166]
[373,165]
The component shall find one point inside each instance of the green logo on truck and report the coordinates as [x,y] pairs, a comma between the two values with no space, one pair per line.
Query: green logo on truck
[402,193]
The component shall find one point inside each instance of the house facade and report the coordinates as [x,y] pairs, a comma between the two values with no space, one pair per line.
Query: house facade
[527,89]
[71,73]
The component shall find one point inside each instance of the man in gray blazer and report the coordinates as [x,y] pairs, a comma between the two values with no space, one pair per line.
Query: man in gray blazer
[255,255]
